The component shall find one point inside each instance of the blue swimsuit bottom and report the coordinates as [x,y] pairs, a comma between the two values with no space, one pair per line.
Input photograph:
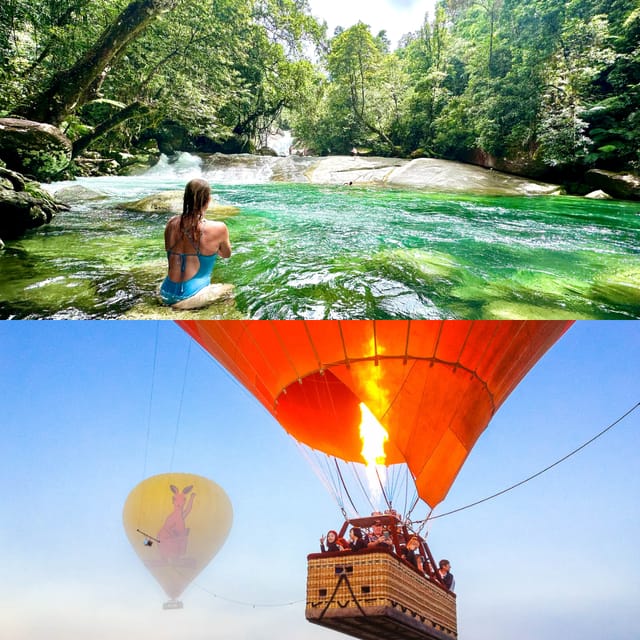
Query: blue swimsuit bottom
[172,292]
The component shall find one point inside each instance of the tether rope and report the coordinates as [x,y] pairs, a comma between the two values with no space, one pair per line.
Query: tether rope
[539,473]
[153,378]
[254,605]
[179,416]
[242,602]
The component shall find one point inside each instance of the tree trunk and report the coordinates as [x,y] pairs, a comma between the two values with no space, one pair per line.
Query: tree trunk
[132,111]
[69,86]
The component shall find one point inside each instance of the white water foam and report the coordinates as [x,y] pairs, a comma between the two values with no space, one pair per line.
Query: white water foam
[183,164]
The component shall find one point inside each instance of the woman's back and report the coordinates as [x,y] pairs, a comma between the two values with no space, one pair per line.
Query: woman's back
[190,256]
[192,245]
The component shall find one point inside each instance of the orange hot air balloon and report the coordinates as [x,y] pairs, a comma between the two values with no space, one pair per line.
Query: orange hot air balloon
[176,523]
[432,385]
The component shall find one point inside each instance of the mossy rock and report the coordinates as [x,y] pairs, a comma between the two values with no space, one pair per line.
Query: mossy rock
[428,264]
[35,149]
[152,308]
[621,287]
[76,194]
[171,202]
[506,310]
[135,169]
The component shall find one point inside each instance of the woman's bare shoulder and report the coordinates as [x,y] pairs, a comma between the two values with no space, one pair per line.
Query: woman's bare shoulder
[215,227]
[173,222]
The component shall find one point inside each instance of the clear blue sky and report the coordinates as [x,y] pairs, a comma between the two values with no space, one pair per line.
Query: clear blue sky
[555,558]
[396,17]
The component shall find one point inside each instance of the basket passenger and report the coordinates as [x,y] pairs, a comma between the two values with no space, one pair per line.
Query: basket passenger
[357,539]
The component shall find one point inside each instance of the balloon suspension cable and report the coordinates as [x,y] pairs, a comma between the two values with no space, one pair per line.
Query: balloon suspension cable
[413,506]
[424,522]
[415,498]
[384,494]
[325,469]
[365,492]
[539,473]
[393,482]
[353,506]
[324,477]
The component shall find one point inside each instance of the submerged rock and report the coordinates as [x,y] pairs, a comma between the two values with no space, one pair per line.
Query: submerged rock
[622,287]
[76,194]
[506,310]
[429,264]
[171,202]
[220,307]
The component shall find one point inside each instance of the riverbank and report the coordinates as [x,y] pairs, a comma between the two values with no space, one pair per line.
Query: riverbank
[429,174]
[422,174]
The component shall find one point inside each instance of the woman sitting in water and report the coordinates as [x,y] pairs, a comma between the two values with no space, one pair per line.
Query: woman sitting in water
[193,244]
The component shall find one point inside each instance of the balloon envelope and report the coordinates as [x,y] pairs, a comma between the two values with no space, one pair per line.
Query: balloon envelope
[176,523]
[433,385]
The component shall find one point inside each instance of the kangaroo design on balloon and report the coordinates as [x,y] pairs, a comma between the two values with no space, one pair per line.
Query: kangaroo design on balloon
[174,534]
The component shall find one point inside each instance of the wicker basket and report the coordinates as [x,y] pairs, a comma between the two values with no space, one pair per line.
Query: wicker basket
[373,594]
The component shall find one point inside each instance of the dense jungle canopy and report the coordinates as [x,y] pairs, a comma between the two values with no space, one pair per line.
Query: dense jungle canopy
[542,84]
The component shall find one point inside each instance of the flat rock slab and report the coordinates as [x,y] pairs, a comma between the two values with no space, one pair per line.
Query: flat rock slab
[427,174]
[456,177]
[346,169]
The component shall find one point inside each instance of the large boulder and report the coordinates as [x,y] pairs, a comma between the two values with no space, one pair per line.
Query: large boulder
[23,205]
[77,194]
[625,186]
[523,164]
[36,149]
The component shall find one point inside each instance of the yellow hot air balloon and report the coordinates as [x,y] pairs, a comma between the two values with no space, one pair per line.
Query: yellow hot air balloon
[176,523]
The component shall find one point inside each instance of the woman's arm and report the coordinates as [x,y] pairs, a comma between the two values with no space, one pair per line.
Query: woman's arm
[224,250]
[216,239]
[167,234]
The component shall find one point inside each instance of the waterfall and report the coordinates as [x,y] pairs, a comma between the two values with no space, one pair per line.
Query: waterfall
[235,168]
[280,142]
[186,165]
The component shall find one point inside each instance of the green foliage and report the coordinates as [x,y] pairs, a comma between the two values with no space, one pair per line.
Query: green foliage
[363,101]
[216,69]
[540,81]
[548,82]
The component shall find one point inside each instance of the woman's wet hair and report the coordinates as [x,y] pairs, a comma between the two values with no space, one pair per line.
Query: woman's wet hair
[197,194]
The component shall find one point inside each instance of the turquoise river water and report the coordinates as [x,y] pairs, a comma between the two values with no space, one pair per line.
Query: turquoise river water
[310,251]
